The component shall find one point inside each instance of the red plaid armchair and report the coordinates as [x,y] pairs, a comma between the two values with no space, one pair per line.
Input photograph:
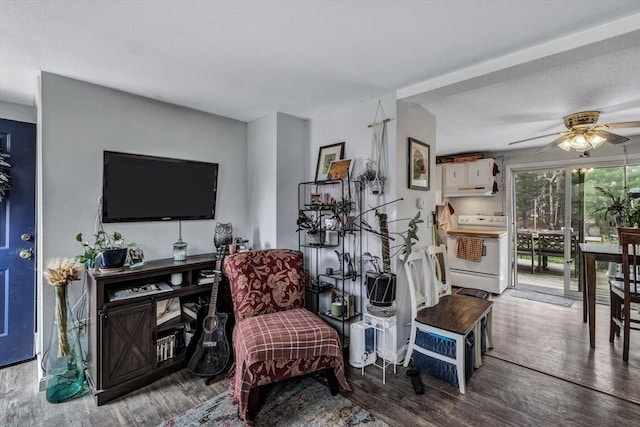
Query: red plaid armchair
[275,337]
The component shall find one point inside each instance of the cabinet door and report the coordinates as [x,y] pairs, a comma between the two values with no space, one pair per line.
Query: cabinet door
[480,172]
[127,343]
[438,185]
[455,174]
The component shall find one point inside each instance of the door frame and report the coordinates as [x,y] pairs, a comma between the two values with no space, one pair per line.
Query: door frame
[511,169]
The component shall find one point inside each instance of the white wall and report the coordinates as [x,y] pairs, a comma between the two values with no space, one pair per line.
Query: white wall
[80,120]
[292,151]
[17,112]
[262,206]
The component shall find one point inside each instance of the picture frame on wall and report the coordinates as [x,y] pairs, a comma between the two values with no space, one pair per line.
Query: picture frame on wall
[326,155]
[418,164]
[340,169]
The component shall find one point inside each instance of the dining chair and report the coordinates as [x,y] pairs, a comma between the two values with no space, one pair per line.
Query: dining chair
[526,245]
[452,317]
[625,289]
[441,283]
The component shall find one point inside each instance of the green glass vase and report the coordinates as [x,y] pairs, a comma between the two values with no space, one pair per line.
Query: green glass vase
[64,366]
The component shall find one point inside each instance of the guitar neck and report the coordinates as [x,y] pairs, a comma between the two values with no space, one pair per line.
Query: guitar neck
[214,295]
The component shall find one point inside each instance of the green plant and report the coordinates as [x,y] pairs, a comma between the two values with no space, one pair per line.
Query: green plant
[309,223]
[409,238]
[624,211]
[102,241]
[371,175]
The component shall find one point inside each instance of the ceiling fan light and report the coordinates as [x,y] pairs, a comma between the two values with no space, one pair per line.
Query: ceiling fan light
[566,144]
[596,140]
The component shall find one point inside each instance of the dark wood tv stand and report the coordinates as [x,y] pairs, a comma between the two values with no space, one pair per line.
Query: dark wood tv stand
[123,333]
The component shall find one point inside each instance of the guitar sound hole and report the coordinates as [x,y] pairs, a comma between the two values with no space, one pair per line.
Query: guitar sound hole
[210,324]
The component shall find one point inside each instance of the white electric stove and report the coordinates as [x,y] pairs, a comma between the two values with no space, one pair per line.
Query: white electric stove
[491,273]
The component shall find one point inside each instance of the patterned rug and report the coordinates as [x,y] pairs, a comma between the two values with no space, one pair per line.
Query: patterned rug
[294,402]
[538,296]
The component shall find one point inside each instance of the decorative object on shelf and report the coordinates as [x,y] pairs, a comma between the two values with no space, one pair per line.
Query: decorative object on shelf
[326,155]
[180,247]
[5,177]
[135,256]
[418,161]
[64,365]
[381,282]
[176,280]
[108,251]
[223,237]
[346,263]
[340,169]
[371,176]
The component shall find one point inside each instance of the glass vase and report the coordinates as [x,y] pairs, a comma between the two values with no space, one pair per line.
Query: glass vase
[64,366]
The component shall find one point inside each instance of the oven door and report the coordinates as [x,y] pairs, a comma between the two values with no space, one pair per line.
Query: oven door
[489,264]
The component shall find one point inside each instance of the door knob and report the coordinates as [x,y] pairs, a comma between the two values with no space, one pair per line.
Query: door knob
[26,237]
[26,254]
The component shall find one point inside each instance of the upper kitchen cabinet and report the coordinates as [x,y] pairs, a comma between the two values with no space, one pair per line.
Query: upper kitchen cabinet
[476,178]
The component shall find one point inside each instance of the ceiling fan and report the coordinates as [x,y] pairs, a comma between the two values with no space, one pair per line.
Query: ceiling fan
[583,134]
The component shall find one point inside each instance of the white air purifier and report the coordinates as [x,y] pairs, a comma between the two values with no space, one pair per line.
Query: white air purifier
[358,356]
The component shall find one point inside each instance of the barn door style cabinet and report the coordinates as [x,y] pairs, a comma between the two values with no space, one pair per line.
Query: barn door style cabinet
[129,347]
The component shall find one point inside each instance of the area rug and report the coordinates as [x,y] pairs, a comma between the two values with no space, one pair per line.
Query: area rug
[540,297]
[300,401]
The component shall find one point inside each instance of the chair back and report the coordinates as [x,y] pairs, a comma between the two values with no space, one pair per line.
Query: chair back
[525,242]
[265,281]
[440,280]
[630,242]
[418,276]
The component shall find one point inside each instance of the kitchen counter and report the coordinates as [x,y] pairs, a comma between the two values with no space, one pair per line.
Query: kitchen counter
[477,232]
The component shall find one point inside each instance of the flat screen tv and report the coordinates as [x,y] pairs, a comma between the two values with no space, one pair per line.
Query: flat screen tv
[148,188]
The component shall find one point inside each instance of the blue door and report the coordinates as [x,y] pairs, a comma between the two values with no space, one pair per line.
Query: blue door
[17,244]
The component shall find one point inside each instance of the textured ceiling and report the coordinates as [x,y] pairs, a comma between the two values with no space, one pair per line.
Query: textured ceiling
[246,59]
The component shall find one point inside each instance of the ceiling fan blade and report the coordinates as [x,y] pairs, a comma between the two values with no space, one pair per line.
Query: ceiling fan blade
[535,137]
[622,125]
[611,137]
[552,144]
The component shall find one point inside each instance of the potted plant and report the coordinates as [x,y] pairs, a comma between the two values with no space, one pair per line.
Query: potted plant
[108,251]
[381,282]
[311,224]
[621,207]
[372,177]
[342,209]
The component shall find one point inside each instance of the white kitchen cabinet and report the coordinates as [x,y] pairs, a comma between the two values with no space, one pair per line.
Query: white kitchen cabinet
[438,183]
[469,178]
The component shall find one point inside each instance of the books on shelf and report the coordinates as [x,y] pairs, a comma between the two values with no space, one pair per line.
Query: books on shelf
[166,348]
[136,291]
[167,309]
[191,309]
[208,276]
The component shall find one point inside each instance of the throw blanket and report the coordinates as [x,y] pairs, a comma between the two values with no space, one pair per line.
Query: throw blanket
[469,248]
[280,345]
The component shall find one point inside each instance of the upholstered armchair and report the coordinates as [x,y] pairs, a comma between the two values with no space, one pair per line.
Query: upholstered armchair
[275,337]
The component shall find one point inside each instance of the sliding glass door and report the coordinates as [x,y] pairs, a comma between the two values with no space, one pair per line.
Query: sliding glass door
[547,233]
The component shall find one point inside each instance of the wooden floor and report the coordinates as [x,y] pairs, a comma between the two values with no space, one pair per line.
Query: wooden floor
[540,373]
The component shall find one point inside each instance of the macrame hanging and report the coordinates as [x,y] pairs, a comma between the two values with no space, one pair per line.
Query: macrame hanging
[378,158]
[5,185]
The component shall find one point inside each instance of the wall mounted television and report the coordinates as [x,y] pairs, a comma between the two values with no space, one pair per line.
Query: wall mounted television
[148,188]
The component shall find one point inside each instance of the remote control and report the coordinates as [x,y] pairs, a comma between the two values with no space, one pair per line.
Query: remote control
[414,374]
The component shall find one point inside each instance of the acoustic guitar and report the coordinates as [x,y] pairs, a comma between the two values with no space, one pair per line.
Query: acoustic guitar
[208,352]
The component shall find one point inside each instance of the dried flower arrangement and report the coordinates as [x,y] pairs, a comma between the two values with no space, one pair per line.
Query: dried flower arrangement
[61,272]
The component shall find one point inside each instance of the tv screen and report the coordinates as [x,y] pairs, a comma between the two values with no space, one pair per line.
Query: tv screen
[148,188]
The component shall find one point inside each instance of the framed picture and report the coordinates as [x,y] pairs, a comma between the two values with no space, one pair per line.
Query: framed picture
[135,257]
[328,154]
[340,169]
[418,159]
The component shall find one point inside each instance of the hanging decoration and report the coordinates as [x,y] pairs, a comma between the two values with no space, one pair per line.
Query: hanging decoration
[374,173]
[5,184]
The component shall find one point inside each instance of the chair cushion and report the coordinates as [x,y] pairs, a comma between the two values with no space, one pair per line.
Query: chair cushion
[280,345]
[265,281]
